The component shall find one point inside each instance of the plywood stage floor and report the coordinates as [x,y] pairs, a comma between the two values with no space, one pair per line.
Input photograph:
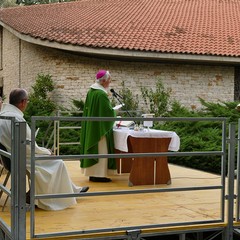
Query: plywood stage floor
[101,212]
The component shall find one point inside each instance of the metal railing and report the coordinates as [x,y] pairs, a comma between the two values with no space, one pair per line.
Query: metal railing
[221,187]
[56,132]
[18,187]
[55,135]
[17,192]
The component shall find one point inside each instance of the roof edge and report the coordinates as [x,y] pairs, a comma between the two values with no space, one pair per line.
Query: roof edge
[126,54]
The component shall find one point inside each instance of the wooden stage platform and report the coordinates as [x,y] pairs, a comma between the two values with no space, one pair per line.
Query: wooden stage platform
[97,212]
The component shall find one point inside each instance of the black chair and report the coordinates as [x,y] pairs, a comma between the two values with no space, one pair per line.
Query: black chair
[7,165]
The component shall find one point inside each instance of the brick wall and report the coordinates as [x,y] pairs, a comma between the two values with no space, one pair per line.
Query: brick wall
[10,62]
[73,74]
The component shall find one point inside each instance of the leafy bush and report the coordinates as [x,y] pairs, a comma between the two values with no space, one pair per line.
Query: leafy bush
[200,135]
[131,102]
[40,104]
[196,136]
[78,106]
[222,109]
[157,100]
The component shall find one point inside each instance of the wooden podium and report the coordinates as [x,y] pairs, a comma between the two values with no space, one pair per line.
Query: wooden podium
[149,170]
[146,170]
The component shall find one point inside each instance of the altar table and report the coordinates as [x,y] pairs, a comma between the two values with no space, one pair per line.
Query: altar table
[145,170]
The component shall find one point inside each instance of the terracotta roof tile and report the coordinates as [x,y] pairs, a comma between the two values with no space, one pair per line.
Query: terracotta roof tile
[178,26]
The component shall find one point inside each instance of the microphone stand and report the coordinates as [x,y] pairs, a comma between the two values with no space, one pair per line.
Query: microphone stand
[117,95]
[118,98]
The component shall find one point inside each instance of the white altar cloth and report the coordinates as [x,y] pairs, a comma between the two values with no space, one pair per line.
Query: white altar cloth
[121,134]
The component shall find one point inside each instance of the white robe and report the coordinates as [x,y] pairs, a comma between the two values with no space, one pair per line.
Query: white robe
[100,169]
[51,176]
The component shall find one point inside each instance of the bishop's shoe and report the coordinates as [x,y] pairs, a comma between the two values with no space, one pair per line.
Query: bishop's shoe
[99,179]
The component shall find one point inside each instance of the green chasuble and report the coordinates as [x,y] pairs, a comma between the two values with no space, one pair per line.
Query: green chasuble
[97,104]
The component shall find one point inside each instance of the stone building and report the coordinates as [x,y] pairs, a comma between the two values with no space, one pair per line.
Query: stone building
[193,47]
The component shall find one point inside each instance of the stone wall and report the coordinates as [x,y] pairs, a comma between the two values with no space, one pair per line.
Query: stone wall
[73,74]
[10,62]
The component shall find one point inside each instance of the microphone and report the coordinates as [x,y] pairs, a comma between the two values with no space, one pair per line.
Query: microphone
[115,94]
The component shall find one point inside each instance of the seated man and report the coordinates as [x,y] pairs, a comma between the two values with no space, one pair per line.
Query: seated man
[51,176]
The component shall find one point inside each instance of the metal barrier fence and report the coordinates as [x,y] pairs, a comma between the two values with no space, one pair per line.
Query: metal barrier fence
[17,230]
[18,154]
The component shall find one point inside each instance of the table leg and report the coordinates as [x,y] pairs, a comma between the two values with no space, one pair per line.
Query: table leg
[149,170]
[124,165]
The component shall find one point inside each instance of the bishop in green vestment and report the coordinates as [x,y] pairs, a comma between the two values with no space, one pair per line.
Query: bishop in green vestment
[97,136]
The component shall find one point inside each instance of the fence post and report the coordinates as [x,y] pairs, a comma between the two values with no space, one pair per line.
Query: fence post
[18,181]
[231,167]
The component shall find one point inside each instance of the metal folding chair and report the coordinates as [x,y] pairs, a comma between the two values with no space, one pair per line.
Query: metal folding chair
[1,166]
[7,165]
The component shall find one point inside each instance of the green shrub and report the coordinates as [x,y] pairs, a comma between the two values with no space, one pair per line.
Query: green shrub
[195,136]
[221,109]
[156,101]
[40,104]
[131,102]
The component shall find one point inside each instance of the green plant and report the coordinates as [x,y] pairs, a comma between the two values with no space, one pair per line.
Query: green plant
[40,103]
[197,136]
[69,131]
[32,2]
[7,3]
[221,109]
[157,101]
[3,97]
[131,102]
[78,106]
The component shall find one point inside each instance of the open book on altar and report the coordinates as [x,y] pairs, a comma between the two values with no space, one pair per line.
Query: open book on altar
[124,123]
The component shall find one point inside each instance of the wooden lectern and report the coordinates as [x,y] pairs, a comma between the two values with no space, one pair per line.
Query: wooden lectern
[146,170]
[149,170]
